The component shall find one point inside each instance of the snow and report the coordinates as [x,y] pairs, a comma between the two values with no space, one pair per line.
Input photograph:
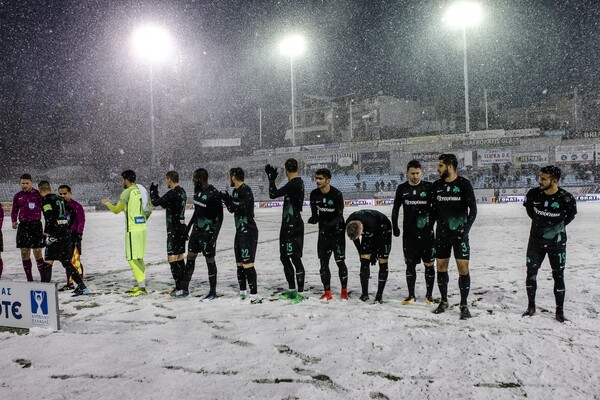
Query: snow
[111,346]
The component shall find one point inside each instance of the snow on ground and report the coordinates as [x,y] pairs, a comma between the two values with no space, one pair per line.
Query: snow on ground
[114,347]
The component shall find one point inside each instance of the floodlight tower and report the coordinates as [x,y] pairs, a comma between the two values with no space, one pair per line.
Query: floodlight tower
[292,46]
[154,45]
[464,15]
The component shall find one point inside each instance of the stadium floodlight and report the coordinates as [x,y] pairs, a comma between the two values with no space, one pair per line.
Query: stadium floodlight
[293,46]
[464,15]
[153,44]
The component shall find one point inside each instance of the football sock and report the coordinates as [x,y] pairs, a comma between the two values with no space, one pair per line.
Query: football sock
[559,287]
[442,278]
[325,274]
[27,267]
[429,279]
[411,278]
[251,277]
[531,285]
[464,284]
[241,276]
[297,261]
[343,273]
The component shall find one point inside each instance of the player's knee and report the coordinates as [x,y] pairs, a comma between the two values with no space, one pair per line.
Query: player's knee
[532,271]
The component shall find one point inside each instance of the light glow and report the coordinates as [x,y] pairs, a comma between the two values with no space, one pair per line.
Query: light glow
[464,14]
[292,46]
[152,43]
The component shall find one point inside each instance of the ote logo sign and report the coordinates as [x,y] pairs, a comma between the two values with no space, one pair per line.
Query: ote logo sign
[39,307]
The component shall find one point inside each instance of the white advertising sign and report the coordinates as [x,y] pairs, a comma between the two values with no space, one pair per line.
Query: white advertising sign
[232,142]
[575,154]
[486,157]
[531,157]
[29,305]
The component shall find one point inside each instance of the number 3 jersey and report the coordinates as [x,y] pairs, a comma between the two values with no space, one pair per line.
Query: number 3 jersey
[453,207]
[549,215]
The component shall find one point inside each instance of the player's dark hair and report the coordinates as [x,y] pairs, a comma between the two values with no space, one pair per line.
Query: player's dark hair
[352,229]
[65,187]
[413,164]
[173,176]
[200,175]
[128,175]
[551,170]
[323,172]
[26,177]
[238,173]
[449,159]
[291,165]
[44,185]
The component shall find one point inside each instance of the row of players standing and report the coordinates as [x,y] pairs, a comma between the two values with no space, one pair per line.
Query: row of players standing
[449,204]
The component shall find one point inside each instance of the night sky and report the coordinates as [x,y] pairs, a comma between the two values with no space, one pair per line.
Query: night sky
[227,65]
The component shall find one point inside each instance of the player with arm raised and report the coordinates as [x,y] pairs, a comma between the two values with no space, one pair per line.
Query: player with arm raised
[134,202]
[291,234]
[174,203]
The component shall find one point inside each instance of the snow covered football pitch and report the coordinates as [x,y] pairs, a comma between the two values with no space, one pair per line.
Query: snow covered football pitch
[114,347]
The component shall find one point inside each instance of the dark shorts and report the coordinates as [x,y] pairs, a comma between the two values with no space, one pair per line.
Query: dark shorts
[199,243]
[536,252]
[176,240]
[379,247]
[332,243]
[417,250]
[58,247]
[244,246]
[443,247]
[291,242]
[30,235]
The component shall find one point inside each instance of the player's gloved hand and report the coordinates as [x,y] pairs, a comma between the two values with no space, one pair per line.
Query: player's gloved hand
[271,172]
[313,220]
[226,197]
[465,233]
[396,231]
[153,188]
[211,243]
[373,259]
[76,237]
